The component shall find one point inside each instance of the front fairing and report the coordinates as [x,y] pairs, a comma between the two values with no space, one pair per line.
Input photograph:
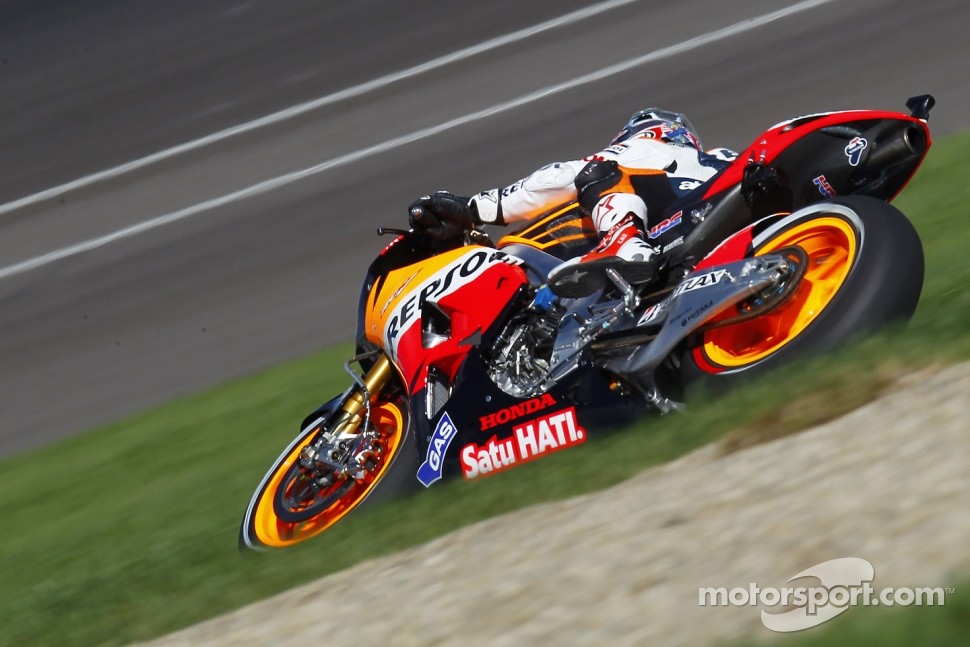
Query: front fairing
[426,311]
[406,249]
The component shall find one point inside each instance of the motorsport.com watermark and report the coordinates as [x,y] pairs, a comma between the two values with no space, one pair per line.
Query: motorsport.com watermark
[843,583]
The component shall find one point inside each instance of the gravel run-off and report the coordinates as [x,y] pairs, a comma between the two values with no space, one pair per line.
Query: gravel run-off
[889,483]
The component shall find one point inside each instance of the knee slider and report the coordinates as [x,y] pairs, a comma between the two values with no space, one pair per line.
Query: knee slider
[594,180]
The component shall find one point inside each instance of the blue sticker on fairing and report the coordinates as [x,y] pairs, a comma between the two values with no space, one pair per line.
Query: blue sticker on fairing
[430,469]
[823,186]
[666,225]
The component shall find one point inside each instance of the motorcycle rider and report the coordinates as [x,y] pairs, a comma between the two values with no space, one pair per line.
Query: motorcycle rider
[656,158]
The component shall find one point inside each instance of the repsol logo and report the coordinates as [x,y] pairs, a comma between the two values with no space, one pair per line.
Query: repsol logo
[442,282]
[433,289]
[516,411]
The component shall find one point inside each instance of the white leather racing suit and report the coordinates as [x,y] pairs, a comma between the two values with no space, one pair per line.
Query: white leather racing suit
[682,167]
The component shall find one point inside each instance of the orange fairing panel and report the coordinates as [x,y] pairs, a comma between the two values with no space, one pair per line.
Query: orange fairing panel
[383,301]
[470,285]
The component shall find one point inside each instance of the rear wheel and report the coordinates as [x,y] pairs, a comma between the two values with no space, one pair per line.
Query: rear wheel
[863,269]
[293,504]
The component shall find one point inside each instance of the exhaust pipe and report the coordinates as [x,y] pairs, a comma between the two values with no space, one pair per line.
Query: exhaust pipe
[907,143]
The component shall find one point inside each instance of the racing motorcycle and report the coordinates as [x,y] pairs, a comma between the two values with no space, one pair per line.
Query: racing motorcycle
[792,247]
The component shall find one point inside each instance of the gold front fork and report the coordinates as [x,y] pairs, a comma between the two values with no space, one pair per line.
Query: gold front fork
[374,382]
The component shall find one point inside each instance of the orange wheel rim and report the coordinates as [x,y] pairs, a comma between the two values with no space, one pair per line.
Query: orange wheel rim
[270,530]
[830,246]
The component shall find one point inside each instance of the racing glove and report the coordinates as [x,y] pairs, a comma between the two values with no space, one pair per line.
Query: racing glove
[442,215]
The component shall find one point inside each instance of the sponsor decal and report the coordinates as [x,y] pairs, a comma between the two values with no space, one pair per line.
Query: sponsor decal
[488,206]
[723,154]
[696,313]
[676,242]
[618,233]
[529,440]
[701,281]
[512,188]
[652,313]
[498,255]
[823,186]
[397,292]
[487,196]
[854,149]
[689,185]
[655,132]
[517,411]
[665,225]
[446,280]
[430,470]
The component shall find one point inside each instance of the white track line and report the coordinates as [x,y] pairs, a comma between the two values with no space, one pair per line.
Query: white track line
[283,180]
[297,110]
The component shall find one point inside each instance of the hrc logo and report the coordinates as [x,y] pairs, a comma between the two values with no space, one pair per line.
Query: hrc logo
[824,187]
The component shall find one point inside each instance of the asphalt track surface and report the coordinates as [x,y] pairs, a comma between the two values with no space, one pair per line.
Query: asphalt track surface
[135,286]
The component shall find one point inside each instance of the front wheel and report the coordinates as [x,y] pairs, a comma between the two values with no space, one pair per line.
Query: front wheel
[863,269]
[292,504]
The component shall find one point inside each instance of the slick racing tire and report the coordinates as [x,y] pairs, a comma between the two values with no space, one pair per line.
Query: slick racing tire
[863,270]
[271,521]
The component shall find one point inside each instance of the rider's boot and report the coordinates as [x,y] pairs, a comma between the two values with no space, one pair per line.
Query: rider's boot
[621,248]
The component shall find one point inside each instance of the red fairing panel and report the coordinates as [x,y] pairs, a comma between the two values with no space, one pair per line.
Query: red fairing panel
[779,137]
[735,248]
[471,306]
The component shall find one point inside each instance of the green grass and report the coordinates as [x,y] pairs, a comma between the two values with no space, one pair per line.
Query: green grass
[130,531]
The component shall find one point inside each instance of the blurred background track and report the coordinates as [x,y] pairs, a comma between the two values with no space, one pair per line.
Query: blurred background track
[89,85]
